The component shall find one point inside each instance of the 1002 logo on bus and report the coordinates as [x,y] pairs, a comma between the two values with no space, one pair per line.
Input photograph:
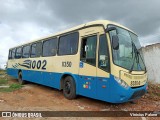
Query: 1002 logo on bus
[39,64]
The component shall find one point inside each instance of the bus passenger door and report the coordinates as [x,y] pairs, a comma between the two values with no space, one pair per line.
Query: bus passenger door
[103,68]
[87,66]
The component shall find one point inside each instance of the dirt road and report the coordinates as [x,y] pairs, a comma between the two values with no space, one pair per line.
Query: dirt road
[36,97]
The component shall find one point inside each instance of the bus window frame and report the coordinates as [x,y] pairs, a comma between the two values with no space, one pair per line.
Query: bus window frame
[108,69]
[50,38]
[111,44]
[14,53]
[10,52]
[91,35]
[40,41]
[29,50]
[20,53]
[63,35]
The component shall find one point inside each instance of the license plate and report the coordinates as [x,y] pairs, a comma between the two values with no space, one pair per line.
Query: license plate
[135,83]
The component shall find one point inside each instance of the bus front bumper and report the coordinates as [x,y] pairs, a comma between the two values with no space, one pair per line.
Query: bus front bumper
[121,94]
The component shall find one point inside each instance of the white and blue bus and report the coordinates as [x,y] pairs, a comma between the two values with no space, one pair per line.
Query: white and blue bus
[100,59]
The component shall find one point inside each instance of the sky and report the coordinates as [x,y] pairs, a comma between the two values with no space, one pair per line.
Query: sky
[26,20]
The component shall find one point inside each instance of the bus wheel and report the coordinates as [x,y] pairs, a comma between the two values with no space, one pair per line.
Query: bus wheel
[22,82]
[69,88]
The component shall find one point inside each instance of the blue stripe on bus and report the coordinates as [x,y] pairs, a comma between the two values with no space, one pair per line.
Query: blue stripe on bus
[105,89]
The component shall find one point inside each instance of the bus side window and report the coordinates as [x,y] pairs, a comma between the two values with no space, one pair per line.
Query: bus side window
[13,53]
[18,53]
[68,44]
[50,47]
[10,54]
[26,51]
[88,50]
[103,56]
[36,49]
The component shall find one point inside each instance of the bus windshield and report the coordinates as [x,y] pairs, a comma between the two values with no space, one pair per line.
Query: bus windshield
[129,54]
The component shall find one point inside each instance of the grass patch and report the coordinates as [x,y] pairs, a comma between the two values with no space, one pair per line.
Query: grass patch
[11,88]
[3,82]
[2,71]
[15,86]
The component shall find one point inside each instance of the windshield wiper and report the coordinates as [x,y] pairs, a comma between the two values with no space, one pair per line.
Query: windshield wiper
[136,57]
[136,52]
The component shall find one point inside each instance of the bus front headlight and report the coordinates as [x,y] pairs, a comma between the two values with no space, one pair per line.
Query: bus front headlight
[121,82]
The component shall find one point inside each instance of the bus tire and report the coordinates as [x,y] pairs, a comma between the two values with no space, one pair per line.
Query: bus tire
[69,88]
[22,82]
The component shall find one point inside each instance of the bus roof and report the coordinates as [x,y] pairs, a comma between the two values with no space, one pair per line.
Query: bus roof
[97,22]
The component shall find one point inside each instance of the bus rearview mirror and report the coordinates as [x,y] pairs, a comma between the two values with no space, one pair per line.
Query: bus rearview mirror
[115,42]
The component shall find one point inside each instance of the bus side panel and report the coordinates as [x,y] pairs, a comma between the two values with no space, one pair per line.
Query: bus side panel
[12,72]
[12,68]
[50,79]
[87,86]
[51,75]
